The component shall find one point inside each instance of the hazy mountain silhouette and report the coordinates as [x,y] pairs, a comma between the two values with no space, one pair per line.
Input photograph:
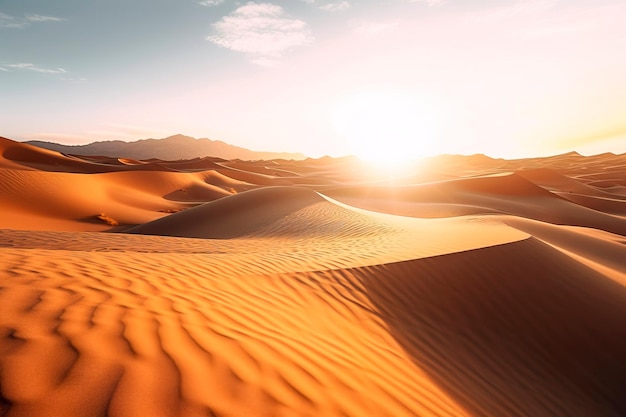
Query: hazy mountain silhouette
[170,148]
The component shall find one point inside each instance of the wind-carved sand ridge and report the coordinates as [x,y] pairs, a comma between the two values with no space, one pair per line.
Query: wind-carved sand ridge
[475,287]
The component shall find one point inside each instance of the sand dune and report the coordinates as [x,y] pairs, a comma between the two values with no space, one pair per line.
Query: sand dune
[70,201]
[238,215]
[492,194]
[477,287]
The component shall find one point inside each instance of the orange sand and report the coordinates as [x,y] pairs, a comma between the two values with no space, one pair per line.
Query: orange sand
[477,287]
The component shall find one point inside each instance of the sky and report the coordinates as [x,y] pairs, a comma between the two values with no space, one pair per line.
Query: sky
[380,79]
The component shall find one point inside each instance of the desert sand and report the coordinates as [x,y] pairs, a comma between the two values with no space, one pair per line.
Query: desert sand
[470,286]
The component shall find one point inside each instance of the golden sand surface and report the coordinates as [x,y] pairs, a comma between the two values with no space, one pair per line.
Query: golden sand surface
[470,287]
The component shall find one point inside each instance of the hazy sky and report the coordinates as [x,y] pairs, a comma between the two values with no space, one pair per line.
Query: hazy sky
[419,77]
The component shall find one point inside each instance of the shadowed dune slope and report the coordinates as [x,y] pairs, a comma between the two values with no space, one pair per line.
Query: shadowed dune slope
[615,206]
[515,330]
[602,250]
[554,181]
[237,215]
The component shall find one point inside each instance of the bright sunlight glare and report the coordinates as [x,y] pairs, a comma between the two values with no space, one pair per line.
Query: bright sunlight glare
[387,128]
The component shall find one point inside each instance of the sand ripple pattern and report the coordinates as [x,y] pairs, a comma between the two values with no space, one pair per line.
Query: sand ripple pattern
[86,333]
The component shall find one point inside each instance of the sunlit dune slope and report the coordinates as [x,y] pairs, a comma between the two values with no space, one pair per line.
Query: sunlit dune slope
[69,201]
[22,156]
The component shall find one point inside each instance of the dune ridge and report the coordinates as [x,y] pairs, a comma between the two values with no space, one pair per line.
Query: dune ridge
[474,287]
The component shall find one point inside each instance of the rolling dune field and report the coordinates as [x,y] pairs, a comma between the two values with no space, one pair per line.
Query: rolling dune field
[470,286]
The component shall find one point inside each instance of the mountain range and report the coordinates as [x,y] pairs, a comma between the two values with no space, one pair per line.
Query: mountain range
[170,148]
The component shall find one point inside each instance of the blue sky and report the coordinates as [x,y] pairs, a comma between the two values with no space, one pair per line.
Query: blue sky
[505,78]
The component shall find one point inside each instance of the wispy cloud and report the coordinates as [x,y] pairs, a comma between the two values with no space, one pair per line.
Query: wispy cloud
[74,80]
[329,6]
[335,6]
[211,3]
[33,67]
[41,18]
[262,31]
[4,69]
[8,21]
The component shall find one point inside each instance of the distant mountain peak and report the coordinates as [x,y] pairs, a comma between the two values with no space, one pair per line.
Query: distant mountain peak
[181,137]
[173,147]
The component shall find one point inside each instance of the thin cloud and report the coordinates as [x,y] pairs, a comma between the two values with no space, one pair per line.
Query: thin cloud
[12,22]
[335,7]
[262,31]
[211,3]
[7,21]
[33,67]
[73,80]
[329,6]
[41,18]
[4,69]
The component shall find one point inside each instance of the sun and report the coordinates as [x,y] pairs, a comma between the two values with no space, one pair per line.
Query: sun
[386,127]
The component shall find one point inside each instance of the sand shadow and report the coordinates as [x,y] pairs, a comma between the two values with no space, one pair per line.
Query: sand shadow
[511,330]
